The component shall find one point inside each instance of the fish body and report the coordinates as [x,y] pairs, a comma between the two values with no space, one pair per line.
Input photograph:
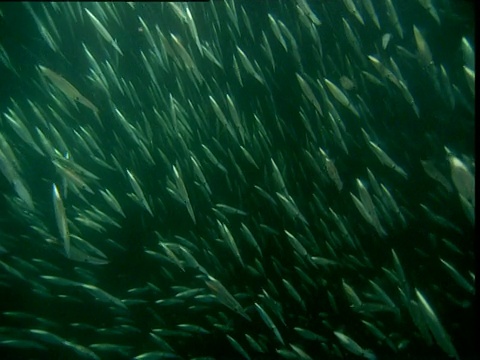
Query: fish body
[68,89]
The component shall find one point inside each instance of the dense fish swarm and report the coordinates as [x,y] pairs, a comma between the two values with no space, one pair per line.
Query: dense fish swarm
[237,180]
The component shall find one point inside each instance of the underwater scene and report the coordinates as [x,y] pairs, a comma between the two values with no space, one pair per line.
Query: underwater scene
[237,179]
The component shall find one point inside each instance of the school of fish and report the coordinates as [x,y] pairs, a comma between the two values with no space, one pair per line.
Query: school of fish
[239,180]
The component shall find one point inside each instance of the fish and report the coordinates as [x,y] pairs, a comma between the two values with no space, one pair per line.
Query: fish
[393,17]
[68,89]
[341,97]
[349,344]
[103,296]
[22,131]
[183,194]
[366,208]
[291,208]
[468,53]
[61,220]
[222,118]
[352,297]
[228,238]
[424,53]
[103,32]
[352,9]
[269,323]
[307,91]
[436,328]
[276,31]
[368,5]
[458,278]
[247,64]
[427,5]
[23,193]
[299,187]
[183,53]
[386,160]
[199,174]
[224,297]
[138,192]
[112,201]
[238,347]
[294,294]
[332,170]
